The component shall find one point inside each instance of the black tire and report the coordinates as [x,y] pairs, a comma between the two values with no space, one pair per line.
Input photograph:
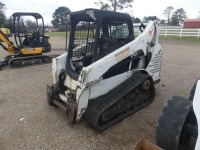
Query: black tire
[170,131]
[193,91]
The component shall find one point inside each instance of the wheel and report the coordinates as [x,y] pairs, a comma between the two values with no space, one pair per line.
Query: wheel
[193,90]
[172,132]
[146,85]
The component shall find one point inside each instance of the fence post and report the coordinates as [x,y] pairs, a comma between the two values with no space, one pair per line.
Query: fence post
[181,32]
[165,32]
[198,33]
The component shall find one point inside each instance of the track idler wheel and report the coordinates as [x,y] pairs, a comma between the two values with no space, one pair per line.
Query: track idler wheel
[146,85]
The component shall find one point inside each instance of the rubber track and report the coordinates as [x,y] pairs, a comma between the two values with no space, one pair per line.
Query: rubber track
[7,57]
[99,105]
[27,58]
[171,122]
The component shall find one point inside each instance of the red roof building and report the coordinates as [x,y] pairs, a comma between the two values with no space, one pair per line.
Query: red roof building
[191,23]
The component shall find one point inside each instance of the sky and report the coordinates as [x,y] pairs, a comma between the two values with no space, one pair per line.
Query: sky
[140,8]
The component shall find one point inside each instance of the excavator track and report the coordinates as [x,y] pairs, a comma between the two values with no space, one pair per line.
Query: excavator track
[127,98]
[8,57]
[28,60]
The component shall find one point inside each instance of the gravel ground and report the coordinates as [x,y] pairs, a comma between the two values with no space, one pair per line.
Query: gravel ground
[27,122]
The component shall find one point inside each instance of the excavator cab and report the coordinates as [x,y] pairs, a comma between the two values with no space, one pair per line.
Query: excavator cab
[30,34]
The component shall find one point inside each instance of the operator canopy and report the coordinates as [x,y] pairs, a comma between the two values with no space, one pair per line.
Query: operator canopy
[19,14]
[95,34]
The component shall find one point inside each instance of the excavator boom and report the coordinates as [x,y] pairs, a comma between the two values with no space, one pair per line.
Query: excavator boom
[10,46]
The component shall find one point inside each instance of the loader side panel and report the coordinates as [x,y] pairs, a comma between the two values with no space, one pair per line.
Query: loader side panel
[154,66]
[99,89]
[58,64]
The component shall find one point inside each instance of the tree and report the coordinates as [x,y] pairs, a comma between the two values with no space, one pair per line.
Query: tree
[114,5]
[168,13]
[103,6]
[144,19]
[174,20]
[23,27]
[31,25]
[136,20]
[162,21]
[151,18]
[59,16]
[9,24]
[178,17]
[2,14]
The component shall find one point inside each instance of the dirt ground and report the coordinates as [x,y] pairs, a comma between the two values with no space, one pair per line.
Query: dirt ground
[27,122]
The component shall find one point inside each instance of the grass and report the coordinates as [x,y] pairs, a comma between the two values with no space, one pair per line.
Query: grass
[62,34]
[174,38]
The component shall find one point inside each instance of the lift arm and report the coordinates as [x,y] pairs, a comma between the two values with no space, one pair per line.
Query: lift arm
[11,47]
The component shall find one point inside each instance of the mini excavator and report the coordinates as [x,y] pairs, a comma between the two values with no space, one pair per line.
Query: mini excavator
[29,45]
[107,74]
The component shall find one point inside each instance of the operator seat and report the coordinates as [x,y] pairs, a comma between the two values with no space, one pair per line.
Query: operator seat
[36,39]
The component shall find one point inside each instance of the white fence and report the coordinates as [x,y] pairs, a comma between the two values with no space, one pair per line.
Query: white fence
[180,32]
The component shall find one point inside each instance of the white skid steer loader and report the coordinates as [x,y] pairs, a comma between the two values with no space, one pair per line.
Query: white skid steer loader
[106,74]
